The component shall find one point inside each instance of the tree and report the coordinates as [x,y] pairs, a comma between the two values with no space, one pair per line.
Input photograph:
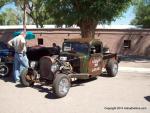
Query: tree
[142,17]
[36,10]
[3,15]
[86,13]
[3,2]
[10,17]
[1,20]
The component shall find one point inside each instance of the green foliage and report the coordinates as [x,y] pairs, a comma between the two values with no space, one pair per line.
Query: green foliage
[3,2]
[9,17]
[1,19]
[142,17]
[36,10]
[86,13]
[73,11]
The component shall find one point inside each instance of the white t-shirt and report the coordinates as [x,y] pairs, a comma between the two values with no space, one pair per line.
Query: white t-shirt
[16,42]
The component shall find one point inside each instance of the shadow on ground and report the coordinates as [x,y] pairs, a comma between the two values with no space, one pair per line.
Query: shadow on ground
[81,82]
[147,98]
[49,91]
[8,78]
[104,74]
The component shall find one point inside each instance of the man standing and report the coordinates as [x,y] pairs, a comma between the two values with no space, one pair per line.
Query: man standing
[20,58]
[56,49]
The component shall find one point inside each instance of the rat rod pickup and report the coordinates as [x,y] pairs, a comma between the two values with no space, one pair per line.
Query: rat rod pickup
[80,59]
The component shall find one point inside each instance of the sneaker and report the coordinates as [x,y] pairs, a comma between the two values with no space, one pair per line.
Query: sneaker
[17,82]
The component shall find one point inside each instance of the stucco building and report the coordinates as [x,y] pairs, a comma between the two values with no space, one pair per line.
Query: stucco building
[122,41]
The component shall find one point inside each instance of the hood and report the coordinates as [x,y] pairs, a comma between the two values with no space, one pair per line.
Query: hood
[71,55]
[73,58]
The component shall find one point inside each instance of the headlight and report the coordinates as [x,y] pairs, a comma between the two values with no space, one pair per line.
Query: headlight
[54,67]
[33,64]
[63,58]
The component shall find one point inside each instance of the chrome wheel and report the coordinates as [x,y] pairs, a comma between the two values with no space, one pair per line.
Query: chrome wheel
[3,70]
[64,86]
[61,85]
[112,68]
[115,68]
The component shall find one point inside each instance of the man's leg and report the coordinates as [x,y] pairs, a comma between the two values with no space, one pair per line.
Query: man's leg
[16,68]
[26,61]
[23,61]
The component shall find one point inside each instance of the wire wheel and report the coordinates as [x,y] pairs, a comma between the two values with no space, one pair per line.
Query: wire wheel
[3,70]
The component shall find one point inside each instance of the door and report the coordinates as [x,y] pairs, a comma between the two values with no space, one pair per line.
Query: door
[95,61]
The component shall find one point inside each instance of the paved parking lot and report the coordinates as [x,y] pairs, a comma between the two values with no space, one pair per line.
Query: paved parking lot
[128,92]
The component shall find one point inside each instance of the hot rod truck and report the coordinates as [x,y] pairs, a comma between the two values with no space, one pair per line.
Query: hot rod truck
[80,59]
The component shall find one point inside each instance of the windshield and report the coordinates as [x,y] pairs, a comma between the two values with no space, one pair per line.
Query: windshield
[76,47]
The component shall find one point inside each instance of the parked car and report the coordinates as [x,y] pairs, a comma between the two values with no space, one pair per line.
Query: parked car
[33,53]
[80,59]
[6,59]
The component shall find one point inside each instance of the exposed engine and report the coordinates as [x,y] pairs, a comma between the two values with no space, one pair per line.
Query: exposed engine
[61,64]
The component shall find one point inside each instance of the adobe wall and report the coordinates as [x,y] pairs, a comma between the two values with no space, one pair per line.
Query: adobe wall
[113,38]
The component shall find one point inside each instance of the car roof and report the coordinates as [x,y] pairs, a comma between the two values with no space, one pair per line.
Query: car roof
[90,41]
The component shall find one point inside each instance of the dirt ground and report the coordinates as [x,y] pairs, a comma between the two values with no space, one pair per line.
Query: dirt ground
[128,92]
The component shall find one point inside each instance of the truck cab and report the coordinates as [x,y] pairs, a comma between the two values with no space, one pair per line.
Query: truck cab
[86,56]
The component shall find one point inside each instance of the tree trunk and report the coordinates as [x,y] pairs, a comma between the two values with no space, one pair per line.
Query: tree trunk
[87,27]
[36,22]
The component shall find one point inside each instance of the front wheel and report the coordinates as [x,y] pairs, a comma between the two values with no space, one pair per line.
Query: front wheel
[61,85]
[28,77]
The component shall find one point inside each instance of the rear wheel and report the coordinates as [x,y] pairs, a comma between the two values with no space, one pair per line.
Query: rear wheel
[61,85]
[28,77]
[112,68]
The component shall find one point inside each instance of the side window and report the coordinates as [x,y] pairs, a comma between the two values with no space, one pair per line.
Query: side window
[96,49]
[93,50]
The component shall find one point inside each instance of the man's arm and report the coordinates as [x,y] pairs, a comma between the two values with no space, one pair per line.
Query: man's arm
[10,43]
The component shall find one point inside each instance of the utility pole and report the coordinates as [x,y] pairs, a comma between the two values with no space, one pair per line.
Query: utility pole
[24,16]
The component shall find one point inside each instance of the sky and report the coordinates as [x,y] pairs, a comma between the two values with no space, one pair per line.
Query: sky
[126,18]
[10,5]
